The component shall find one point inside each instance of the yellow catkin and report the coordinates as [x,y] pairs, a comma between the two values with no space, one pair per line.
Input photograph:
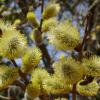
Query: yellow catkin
[69,70]
[31,17]
[92,65]
[7,76]
[33,90]
[30,59]
[12,43]
[17,22]
[49,24]
[64,37]
[51,10]
[90,89]
[38,75]
[54,85]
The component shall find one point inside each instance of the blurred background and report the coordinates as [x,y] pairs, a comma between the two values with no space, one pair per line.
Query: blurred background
[74,11]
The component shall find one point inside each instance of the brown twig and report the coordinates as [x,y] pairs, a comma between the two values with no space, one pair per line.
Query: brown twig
[20,84]
[23,75]
[74,92]
[88,26]
[13,61]
[41,22]
[40,44]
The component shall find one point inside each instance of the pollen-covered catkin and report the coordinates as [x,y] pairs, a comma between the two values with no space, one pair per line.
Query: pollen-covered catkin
[69,70]
[92,65]
[37,77]
[64,37]
[30,59]
[51,10]
[90,89]
[7,76]
[31,17]
[49,24]
[33,90]
[54,85]
[12,43]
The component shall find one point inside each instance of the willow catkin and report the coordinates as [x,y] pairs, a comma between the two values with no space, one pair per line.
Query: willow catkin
[54,85]
[32,18]
[12,43]
[37,77]
[7,76]
[92,65]
[64,37]
[30,59]
[33,90]
[69,70]
[90,89]
[49,24]
[17,22]
[51,10]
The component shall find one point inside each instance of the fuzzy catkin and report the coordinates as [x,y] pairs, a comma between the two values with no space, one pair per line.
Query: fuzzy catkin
[37,77]
[49,24]
[7,76]
[32,18]
[30,59]
[54,85]
[90,89]
[92,65]
[33,90]
[69,70]
[64,37]
[51,10]
[12,43]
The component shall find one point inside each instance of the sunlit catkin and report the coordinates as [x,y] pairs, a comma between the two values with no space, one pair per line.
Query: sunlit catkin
[30,59]
[49,24]
[92,65]
[51,10]
[69,70]
[38,75]
[12,43]
[90,89]
[33,90]
[17,22]
[64,37]
[32,18]
[7,76]
[54,85]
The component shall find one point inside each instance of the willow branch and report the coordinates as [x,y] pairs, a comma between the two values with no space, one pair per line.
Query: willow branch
[23,75]
[88,26]
[74,92]
[40,44]
[13,61]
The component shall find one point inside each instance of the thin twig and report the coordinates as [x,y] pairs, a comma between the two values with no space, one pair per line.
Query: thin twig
[74,92]
[88,27]
[13,61]
[41,22]
[23,75]
[41,45]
